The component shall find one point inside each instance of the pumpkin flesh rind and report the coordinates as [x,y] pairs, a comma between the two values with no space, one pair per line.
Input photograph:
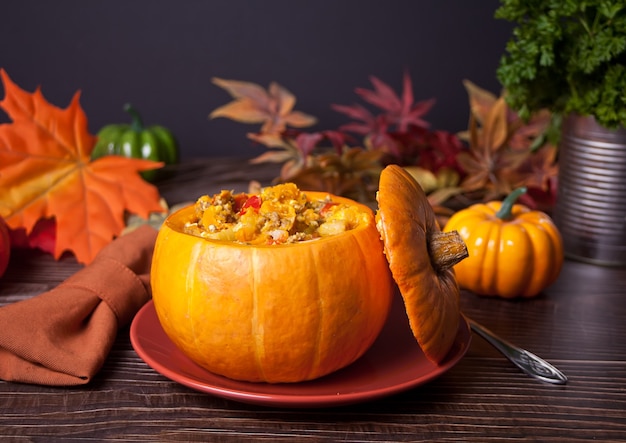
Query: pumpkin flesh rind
[283,313]
[431,297]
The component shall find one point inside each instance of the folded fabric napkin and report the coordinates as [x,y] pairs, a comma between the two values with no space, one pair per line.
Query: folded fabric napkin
[62,337]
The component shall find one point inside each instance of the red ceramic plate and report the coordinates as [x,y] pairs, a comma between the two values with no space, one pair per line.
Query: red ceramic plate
[393,364]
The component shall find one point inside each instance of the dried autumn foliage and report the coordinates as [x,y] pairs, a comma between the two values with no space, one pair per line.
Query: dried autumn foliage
[340,169]
[353,173]
[253,104]
[540,176]
[490,164]
[499,151]
[294,149]
[398,129]
[46,172]
[504,151]
[330,160]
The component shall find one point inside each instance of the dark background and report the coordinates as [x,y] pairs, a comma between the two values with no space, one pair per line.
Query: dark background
[160,55]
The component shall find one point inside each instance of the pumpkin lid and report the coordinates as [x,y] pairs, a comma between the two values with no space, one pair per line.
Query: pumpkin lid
[420,257]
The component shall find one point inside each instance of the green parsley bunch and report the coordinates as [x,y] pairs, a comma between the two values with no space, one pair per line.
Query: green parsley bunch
[568,56]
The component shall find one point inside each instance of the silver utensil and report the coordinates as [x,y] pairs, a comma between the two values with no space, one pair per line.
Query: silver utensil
[527,361]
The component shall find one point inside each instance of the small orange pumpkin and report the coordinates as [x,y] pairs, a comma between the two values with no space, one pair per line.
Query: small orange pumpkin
[272,313]
[513,251]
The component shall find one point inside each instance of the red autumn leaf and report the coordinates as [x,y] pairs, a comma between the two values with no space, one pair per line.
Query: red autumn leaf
[399,110]
[307,142]
[389,130]
[441,152]
[253,104]
[46,171]
[374,128]
[43,236]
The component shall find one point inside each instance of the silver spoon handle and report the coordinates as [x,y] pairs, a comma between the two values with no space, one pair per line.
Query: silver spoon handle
[526,361]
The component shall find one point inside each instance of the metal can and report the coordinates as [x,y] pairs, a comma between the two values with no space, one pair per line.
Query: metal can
[590,209]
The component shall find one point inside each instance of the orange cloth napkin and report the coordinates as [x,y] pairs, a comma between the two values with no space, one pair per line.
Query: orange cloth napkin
[62,337]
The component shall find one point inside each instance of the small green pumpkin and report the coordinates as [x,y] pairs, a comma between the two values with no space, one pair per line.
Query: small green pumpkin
[135,140]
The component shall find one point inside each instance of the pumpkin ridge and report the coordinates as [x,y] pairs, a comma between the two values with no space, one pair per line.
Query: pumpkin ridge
[528,278]
[535,234]
[190,282]
[259,342]
[489,280]
[361,252]
[554,238]
[482,252]
[317,358]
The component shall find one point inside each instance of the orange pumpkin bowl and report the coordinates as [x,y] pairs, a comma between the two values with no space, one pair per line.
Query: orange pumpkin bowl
[271,313]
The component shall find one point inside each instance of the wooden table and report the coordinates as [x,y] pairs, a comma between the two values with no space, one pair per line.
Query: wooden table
[579,325]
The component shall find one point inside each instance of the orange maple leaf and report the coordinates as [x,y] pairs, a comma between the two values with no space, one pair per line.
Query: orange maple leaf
[46,171]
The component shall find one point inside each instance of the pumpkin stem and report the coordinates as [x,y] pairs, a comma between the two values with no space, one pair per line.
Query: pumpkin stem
[446,249]
[507,204]
[136,123]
